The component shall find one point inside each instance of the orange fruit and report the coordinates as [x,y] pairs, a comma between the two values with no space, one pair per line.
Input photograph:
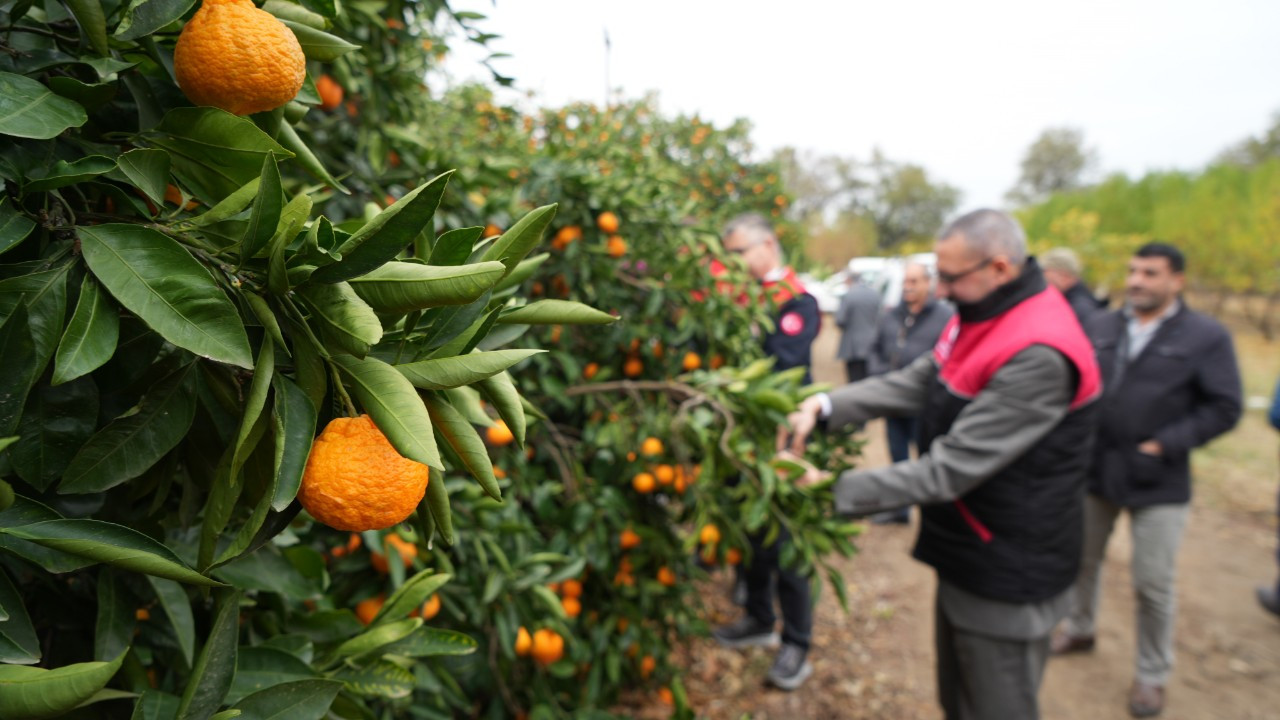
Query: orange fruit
[572,606]
[524,642]
[234,56]
[628,539]
[632,367]
[679,486]
[393,158]
[631,456]
[733,556]
[498,434]
[490,230]
[571,588]
[565,236]
[353,544]
[623,624]
[407,551]
[666,577]
[717,361]
[665,474]
[624,578]
[173,196]
[691,361]
[429,609]
[367,610]
[590,370]
[647,665]
[142,614]
[355,480]
[330,94]
[651,446]
[666,696]
[616,247]
[709,535]
[643,483]
[607,222]
[555,333]
[548,647]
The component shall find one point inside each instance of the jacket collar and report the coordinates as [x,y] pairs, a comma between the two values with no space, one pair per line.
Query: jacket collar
[1031,282]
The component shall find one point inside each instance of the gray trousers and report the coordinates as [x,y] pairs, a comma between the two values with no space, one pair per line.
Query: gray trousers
[1157,534]
[987,678]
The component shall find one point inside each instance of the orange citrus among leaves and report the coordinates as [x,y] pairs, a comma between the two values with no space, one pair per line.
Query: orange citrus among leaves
[368,609]
[572,606]
[733,556]
[590,370]
[355,480]
[330,94]
[665,474]
[691,361]
[571,588]
[666,577]
[651,446]
[710,534]
[548,646]
[666,696]
[524,642]
[643,483]
[233,56]
[607,222]
[430,608]
[407,551]
[616,247]
[628,539]
[647,666]
[632,367]
[499,434]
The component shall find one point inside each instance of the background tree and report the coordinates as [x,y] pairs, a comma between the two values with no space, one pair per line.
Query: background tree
[1056,162]
[1255,150]
[904,203]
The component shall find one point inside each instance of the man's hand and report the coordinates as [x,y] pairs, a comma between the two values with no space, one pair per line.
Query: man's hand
[799,427]
[1152,448]
[811,475]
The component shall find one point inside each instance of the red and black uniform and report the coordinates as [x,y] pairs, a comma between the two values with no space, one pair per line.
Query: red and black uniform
[796,323]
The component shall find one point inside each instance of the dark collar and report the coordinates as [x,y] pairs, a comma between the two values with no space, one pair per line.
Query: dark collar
[1004,298]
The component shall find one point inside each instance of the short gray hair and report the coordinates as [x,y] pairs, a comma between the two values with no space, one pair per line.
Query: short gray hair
[1064,260]
[753,223]
[991,233]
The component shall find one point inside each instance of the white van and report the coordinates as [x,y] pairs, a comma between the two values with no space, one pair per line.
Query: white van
[883,274]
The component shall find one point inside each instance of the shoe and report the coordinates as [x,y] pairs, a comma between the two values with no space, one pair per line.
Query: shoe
[1146,700]
[1269,599]
[746,632]
[790,669]
[1064,644]
[739,594]
[893,517]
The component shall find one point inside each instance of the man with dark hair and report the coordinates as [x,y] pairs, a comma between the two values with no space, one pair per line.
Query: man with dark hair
[1172,384]
[753,239]
[1005,402]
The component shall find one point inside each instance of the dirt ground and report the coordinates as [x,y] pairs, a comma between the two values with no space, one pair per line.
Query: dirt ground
[877,661]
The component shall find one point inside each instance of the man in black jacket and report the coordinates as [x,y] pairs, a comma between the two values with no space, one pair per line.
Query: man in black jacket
[1062,269]
[1172,384]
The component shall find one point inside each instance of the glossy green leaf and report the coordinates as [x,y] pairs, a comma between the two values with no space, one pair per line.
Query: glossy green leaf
[292,219]
[258,668]
[395,407]
[388,233]
[147,169]
[109,543]
[159,281]
[30,110]
[376,637]
[216,665]
[32,693]
[155,705]
[177,608]
[90,96]
[451,372]
[45,295]
[305,157]
[295,427]
[26,511]
[400,287]
[523,271]
[298,700]
[214,152]
[266,210]
[144,17]
[270,571]
[92,21]
[378,679]
[432,642]
[454,247]
[501,391]
[132,443]
[318,44]
[63,173]
[436,502]
[556,312]
[285,10]
[465,442]
[227,208]
[14,226]
[410,596]
[264,369]
[521,238]
[344,319]
[55,424]
[116,617]
[18,641]
[18,358]
[262,311]
[90,338]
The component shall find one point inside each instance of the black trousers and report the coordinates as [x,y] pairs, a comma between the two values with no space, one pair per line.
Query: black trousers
[856,370]
[763,575]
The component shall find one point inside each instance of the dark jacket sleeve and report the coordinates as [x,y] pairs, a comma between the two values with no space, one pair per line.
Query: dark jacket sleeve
[1219,402]
[1274,415]
[793,350]
[878,358]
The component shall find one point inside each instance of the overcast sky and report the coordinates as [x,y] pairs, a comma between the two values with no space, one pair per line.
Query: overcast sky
[960,87]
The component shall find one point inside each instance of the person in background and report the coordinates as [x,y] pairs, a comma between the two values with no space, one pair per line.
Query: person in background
[1269,596]
[856,317]
[906,332]
[1172,385]
[797,321]
[1062,269]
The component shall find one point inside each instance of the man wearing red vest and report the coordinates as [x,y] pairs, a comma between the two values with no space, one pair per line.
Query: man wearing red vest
[1006,406]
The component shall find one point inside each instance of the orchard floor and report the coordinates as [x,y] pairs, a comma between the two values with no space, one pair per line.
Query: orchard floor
[877,661]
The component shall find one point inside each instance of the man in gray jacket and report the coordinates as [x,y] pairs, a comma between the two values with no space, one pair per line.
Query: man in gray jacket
[1005,403]
[856,317]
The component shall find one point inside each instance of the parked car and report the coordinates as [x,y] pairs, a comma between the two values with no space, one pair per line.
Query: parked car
[883,274]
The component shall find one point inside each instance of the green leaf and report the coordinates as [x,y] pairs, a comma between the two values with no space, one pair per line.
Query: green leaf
[437,503]
[556,312]
[501,392]
[116,619]
[465,442]
[91,96]
[395,407]
[522,272]
[410,596]
[144,17]
[383,237]
[292,218]
[299,700]
[379,679]
[318,44]
[31,693]
[132,443]
[18,641]
[90,338]
[45,295]
[211,677]
[454,246]
[26,511]
[30,110]
[289,138]
[344,319]
[227,208]
[451,372]
[63,173]
[270,323]
[155,705]
[285,10]
[147,169]
[109,543]
[269,571]
[266,210]
[92,21]
[14,226]
[158,280]
[177,607]
[432,642]
[400,287]
[254,402]
[521,238]
[214,152]
[259,668]
[55,424]
[18,358]
[295,427]
[376,637]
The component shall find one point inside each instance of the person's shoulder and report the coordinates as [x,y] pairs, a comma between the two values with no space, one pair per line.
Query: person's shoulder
[1204,325]
[1103,321]
[801,302]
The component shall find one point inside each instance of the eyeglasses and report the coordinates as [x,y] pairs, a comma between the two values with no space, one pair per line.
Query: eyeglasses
[953,278]
[741,250]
